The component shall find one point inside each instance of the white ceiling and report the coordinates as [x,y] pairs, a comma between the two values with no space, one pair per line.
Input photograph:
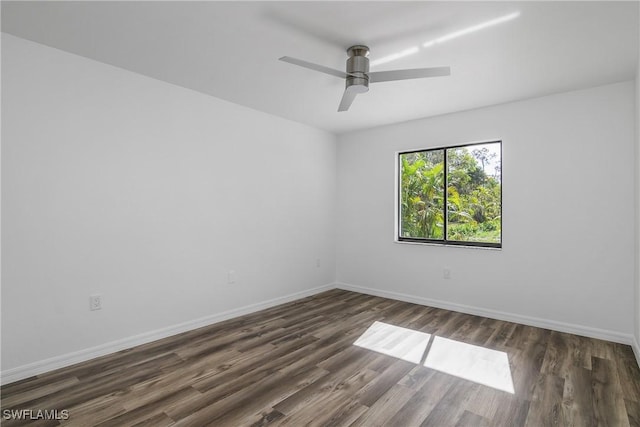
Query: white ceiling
[230,50]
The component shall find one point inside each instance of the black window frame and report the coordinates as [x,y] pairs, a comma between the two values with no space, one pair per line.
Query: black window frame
[444,241]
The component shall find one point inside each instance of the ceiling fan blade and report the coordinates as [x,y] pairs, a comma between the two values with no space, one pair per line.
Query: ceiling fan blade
[314,67]
[416,73]
[347,98]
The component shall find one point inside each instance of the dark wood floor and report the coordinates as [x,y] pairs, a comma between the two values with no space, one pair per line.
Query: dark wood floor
[296,364]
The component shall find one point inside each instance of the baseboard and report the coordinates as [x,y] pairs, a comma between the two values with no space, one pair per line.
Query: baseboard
[39,367]
[501,315]
[636,349]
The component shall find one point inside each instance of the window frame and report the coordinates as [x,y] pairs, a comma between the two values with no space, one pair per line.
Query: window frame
[444,241]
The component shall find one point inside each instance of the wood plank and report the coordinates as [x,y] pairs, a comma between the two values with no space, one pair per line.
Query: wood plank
[608,402]
[449,410]
[469,419]
[512,412]
[628,372]
[324,400]
[633,412]
[266,418]
[426,398]
[383,382]
[487,401]
[577,407]
[382,412]
[152,409]
[546,404]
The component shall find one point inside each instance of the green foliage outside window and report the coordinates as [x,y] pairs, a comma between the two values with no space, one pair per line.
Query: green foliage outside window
[472,177]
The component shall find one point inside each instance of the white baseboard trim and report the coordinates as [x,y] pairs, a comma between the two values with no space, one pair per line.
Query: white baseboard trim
[636,349]
[42,366]
[570,328]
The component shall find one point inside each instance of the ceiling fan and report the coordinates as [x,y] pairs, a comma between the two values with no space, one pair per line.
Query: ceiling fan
[357,77]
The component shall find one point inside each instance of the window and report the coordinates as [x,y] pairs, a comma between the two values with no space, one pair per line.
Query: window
[469,212]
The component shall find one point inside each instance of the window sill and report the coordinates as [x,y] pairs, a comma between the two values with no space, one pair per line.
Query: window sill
[448,245]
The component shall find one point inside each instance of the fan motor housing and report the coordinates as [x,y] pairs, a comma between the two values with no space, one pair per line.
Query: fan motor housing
[358,68]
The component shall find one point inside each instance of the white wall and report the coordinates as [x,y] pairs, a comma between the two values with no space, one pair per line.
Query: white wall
[148,194]
[637,218]
[568,213]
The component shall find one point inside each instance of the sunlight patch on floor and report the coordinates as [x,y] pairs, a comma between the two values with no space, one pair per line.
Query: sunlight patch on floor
[403,343]
[470,362]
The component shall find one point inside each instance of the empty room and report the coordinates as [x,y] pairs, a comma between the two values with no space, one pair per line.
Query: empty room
[358,213]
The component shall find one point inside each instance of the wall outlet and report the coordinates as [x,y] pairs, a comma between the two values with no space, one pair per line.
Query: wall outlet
[95,302]
[318,262]
[231,277]
[446,273]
